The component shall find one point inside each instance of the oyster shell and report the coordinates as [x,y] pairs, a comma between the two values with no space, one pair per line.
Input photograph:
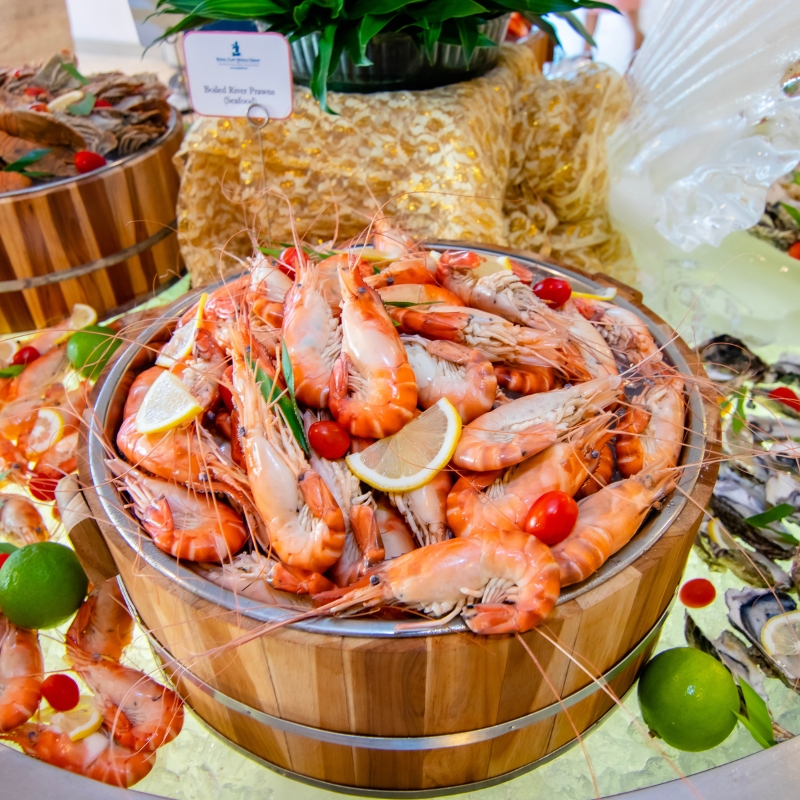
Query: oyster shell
[748,565]
[727,358]
[768,541]
[748,612]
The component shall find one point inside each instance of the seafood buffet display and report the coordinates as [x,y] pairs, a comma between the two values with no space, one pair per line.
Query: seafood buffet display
[56,123]
[346,431]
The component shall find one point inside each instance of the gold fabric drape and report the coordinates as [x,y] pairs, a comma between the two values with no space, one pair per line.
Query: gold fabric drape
[510,159]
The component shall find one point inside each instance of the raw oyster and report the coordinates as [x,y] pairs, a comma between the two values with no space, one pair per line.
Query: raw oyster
[772,542]
[728,358]
[749,610]
[721,552]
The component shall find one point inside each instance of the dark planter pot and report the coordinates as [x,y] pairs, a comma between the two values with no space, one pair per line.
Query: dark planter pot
[397,62]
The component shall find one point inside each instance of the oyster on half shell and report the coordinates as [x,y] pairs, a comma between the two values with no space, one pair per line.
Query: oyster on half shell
[749,610]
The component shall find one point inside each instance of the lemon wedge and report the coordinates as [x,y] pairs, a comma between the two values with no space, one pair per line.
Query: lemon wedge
[414,455]
[180,345]
[81,316]
[609,293]
[47,431]
[8,349]
[719,535]
[78,723]
[780,638]
[167,404]
[492,265]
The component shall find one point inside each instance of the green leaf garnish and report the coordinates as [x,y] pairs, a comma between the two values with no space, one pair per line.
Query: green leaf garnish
[272,252]
[84,107]
[739,417]
[71,69]
[288,372]
[407,304]
[12,371]
[758,720]
[26,160]
[272,394]
[776,514]
[792,212]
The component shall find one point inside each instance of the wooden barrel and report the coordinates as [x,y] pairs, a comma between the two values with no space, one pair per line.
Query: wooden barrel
[345,705]
[104,238]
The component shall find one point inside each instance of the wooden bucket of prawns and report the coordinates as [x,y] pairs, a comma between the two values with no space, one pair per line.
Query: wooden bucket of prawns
[104,238]
[359,704]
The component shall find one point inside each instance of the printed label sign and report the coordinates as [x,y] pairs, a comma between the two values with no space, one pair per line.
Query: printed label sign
[228,72]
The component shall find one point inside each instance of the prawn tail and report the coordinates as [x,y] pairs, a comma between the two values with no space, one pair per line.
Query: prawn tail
[297,580]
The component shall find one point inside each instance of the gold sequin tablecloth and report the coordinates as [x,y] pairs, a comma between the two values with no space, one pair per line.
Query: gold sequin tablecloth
[511,159]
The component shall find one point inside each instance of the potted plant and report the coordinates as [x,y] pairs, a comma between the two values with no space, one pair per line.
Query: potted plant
[374,45]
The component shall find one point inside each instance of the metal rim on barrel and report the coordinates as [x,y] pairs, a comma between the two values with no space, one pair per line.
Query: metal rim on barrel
[113,506]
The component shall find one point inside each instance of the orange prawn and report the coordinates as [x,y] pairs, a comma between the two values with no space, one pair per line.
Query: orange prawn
[21,675]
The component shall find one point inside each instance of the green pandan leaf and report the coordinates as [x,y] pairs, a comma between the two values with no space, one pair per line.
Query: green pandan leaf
[84,108]
[775,514]
[12,371]
[26,160]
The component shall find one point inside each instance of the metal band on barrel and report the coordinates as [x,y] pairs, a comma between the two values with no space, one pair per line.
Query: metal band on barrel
[20,284]
[400,743]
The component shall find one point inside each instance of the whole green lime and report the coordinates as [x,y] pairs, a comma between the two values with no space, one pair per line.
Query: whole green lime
[7,547]
[42,585]
[90,349]
[688,698]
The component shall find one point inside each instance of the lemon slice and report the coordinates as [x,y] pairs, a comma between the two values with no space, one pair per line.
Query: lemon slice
[719,535]
[81,316]
[180,345]
[780,638]
[492,265]
[608,294]
[167,404]
[414,455]
[8,349]
[80,722]
[47,431]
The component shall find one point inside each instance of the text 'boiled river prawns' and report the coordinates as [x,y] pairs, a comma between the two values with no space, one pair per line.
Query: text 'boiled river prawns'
[388,426]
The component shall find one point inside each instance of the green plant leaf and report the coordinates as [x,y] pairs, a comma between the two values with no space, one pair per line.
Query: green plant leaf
[288,371]
[792,212]
[442,10]
[758,721]
[322,66]
[430,36]
[272,252]
[739,417]
[34,174]
[12,371]
[271,393]
[775,514]
[84,107]
[71,69]
[576,25]
[468,35]
[26,160]
[406,304]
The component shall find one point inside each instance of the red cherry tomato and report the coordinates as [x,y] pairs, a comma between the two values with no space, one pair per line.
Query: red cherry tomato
[554,291]
[61,692]
[289,260]
[783,394]
[43,487]
[697,593]
[41,107]
[329,439]
[3,558]
[102,103]
[794,250]
[34,91]
[87,161]
[25,355]
[552,517]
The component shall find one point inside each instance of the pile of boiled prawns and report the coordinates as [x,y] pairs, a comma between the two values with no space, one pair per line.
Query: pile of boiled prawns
[139,714]
[562,398]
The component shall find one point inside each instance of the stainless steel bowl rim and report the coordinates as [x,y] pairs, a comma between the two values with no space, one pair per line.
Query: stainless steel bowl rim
[658,523]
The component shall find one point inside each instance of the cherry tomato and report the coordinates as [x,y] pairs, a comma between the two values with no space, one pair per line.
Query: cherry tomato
[329,439]
[697,593]
[102,103]
[289,260]
[552,517]
[25,355]
[41,107]
[783,394]
[87,161]
[61,692]
[794,250]
[3,558]
[43,487]
[34,91]
[553,291]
